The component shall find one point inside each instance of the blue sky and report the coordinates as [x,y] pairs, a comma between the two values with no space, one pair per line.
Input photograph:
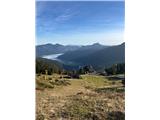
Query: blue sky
[79,23]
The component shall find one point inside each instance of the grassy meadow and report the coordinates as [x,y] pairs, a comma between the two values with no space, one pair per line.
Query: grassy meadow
[92,97]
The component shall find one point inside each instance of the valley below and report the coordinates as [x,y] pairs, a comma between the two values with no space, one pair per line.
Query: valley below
[53,57]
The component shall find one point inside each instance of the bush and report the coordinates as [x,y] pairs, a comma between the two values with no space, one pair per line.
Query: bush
[60,82]
[43,84]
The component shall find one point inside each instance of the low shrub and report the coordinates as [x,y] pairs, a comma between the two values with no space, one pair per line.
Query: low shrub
[43,84]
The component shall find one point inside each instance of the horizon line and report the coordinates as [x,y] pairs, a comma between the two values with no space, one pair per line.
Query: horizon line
[81,0]
[80,45]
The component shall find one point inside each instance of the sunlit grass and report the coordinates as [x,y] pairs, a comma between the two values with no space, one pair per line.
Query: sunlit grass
[91,97]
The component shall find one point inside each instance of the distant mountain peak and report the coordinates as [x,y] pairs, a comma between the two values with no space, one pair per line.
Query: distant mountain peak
[58,44]
[96,44]
[48,44]
[122,44]
[51,45]
[49,48]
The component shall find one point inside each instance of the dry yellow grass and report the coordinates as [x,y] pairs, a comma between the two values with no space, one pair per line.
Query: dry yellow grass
[92,97]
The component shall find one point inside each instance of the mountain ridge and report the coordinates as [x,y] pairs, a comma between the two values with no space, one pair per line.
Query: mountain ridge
[103,57]
[82,51]
[49,48]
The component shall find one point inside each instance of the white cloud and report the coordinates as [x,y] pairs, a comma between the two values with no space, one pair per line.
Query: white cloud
[63,17]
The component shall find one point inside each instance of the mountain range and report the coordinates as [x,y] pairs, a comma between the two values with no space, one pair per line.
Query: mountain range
[97,55]
[104,57]
[48,49]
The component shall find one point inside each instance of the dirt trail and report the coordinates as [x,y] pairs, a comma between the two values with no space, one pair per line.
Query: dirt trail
[56,98]
[69,90]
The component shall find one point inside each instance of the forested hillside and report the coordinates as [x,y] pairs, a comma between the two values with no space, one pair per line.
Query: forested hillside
[49,65]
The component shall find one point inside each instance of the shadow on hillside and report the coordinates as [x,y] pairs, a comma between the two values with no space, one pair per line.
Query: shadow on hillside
[111,89]
[115,78]
[116,115]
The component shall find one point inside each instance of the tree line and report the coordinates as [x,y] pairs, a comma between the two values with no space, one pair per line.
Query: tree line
[44,64]
[116,69]
[54,67]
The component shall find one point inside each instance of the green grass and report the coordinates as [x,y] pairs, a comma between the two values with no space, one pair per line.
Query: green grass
[93,81]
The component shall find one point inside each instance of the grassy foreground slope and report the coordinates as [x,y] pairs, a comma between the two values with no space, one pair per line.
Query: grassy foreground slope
[90,98]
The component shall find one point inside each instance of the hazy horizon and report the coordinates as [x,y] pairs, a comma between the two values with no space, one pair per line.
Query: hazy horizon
[79,44]
[79,22]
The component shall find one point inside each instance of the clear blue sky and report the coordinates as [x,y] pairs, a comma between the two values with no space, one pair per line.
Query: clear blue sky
[79,23]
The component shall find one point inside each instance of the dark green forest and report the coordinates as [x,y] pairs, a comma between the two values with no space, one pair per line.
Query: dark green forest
[51,66]
[116,69]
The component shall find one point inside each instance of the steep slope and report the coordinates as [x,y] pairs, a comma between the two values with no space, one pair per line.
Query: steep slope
[81,52]
[105,57]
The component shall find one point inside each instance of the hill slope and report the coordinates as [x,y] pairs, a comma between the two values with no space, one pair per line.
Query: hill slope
[81,52]
[105,57]
[98,58]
